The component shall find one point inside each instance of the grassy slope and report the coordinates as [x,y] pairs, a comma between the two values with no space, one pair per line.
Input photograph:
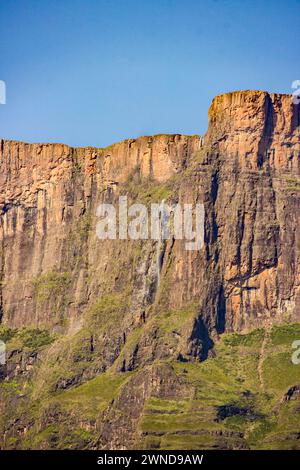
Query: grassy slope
[233,400]
[229,385]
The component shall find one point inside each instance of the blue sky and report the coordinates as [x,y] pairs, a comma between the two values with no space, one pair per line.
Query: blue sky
[93,72]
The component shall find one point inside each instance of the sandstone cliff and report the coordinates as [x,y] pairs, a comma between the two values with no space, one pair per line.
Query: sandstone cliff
[245,170]
[122,305]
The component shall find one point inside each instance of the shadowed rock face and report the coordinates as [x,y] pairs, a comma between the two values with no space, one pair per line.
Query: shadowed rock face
[141,315]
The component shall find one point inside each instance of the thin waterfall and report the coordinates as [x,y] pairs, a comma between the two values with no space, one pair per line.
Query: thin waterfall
[159,243]
[158,266]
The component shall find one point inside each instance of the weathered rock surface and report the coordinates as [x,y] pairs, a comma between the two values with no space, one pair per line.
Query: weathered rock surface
[124,304]
[245,170]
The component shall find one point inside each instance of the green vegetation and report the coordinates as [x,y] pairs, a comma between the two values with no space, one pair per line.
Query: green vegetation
[84,224]
[222,402]
[149,193]
[251,339]
[175,319]
[93,397]
[169,325]
[6,333]
[285,372]
[32,338]
[293,184]
[73,357]
[105,309]
[29,338]
[285,334]
[51,284]
[12,387]
[225,398]
[146,190]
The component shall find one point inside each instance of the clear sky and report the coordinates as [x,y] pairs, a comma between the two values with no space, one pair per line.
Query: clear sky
[93,72]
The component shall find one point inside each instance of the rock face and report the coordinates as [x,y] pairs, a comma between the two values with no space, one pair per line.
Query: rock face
[49,195]
[245,170]
[124,304]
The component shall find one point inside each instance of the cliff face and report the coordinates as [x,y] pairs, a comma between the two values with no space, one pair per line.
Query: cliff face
[121,305]
[255,137]
[245,170]
[49,196]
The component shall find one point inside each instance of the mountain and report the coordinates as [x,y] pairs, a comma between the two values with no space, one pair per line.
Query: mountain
[124,343]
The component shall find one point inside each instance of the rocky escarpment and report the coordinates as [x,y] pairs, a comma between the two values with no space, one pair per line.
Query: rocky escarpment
[119,306]
[245,170]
